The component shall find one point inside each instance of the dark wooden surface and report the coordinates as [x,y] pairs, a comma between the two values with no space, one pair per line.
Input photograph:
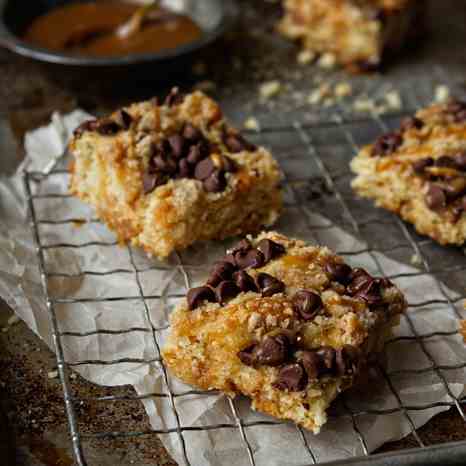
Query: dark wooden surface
[33,427]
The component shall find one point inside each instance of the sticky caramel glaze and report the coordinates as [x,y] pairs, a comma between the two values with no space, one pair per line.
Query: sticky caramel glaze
[88,29]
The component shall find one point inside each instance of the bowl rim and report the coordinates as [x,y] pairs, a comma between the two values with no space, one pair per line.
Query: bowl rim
[15,44]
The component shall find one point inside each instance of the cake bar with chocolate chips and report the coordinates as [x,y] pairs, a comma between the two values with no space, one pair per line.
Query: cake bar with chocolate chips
[164,176]
[419,172]
[286,324]
[357,33]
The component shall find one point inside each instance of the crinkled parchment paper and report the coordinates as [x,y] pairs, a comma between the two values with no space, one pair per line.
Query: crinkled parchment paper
[272,444]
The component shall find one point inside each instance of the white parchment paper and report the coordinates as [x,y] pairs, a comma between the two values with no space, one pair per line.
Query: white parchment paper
[271,445]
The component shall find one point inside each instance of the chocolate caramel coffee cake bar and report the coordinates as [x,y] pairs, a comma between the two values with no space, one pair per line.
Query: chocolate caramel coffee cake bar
[419,172]
[357,32]
[164,176]
[286,324]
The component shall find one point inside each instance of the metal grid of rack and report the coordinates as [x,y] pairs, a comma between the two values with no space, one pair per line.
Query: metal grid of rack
[309,144]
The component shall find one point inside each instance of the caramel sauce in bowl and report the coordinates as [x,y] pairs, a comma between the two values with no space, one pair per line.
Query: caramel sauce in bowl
[89,29]
[82,33]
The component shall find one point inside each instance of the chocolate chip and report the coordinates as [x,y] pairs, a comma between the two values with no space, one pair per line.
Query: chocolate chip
[460,116]
[347,360]
[244,281]
[175,97]
[273,351]
[372,293]
[221,271]
[387,144]
[108,127]
[291,377]
[197,152]
[455,106]
[419,166]
[435,197]
[191,133]
[307,304]
[89,125]
[247,356]
[445,161]
[185,170]
[457,212]
[151,180]
[269,285]
[230,258]
[378,14]
[236,143]
[455,188]
[164,164]
[311,362]
[204,169]
[460,161]
[270,249]
[457,109]
[225,291]
[124,119]
[216,182]
[162,147]
[359,279]
[251,258]
[366,287]
[243,245]
[194,155]
[198,295]
[367,66]
[177,145]
[228,164]
[338,272]
[326,355]
[411,123]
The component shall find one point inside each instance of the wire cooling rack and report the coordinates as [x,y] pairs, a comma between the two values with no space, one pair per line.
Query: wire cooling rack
[314,159]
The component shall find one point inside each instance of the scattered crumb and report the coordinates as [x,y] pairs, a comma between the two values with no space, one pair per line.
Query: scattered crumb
[205,86]
[364,104]
[270,89]
[393,100]
[442,93]
[305,57]
[317,95]
[380,109]
[252,124]
[52,374]
[415,259]
[343,90]
[327,61]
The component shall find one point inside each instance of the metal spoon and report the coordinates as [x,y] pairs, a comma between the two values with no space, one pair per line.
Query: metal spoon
[136,20]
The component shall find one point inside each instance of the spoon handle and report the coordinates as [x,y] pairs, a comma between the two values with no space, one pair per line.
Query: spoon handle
[135,22]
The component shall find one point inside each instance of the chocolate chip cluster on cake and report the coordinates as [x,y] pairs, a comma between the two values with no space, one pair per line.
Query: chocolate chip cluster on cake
[286,324]
[357,33]
[419,172]
[164,176]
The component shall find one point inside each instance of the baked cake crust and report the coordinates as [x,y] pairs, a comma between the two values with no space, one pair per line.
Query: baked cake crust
[419,172]
[165,176]
[358,32]
[286,324]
